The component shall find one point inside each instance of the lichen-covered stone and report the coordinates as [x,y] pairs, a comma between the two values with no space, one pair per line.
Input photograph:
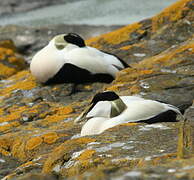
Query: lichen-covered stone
[10,61]
[150,36]
[37,133]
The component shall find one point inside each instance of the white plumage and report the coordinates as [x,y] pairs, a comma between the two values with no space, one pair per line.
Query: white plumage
[70,49]
[137,109]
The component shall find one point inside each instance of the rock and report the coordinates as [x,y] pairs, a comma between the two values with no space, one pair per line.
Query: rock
[29,40]
[150,37]
[37,132]
[10,61]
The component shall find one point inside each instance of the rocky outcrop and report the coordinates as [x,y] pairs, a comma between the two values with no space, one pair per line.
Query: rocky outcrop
[10,61]
[38,139]
[29,40]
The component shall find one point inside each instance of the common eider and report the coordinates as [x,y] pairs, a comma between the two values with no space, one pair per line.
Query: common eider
[67,59]
[107,110]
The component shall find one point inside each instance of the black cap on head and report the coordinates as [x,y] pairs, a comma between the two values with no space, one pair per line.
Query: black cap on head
[105,96]
[74,39]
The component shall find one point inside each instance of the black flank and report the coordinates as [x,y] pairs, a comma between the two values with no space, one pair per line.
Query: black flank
[168,116]
[70,73]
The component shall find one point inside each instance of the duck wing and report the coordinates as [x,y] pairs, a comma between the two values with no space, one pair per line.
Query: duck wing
[150,111]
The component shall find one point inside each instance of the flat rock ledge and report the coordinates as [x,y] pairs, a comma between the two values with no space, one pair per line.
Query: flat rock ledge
[38,139]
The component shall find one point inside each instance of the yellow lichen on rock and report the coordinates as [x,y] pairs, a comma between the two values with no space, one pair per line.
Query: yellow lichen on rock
[62,152]
[10,61]
[33,143]
[165,59]
[129,124]
[64,110]
[18,148]
[116,37]
[8,126]
[131,75]
[59,114]
[50,138]
[4,146]
[83,163]
[121,35]
[6,71]
[23,81]
[87,154]
[14,114]
[8,44]
[169,14]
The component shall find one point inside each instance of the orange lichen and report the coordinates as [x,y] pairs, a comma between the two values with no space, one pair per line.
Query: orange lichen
[6,71]
[84,140]
[4,146]
[62,152]
[135,89]
[59,114]
[113,88]
[16,63]
[50,138]
[4,152]
[171,13]
[64,110]
[132,75]
[118,36]
[23,84]
[33,143]
[27,164]
[126,47]
[8,44]
[6,51]
[20,75]
[1,111]
[17,148]
[168,15]
[53,119]
[9,126]
[129,124]
[87,154]
[166,58]
[15,113]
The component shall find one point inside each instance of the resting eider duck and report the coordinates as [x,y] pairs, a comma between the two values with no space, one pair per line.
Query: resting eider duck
[66,59]
[107,110]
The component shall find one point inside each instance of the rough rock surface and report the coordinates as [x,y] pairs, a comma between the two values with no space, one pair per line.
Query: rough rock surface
[29,40]
[10,61]
[38,139]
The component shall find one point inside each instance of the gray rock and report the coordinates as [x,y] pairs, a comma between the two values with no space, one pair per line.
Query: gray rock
[30,40]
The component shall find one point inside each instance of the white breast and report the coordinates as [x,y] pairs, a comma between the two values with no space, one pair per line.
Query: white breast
[137,109]
[46,63]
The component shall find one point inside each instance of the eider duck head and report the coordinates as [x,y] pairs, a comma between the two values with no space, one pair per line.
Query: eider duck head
[62,40]
[106,104]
